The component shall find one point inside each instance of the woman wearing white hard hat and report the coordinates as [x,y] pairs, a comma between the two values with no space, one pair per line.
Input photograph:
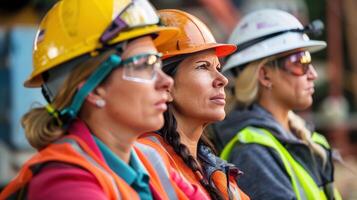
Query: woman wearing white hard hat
[281,157]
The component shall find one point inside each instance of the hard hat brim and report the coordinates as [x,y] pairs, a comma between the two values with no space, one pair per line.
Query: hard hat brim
[164,34]
[222,50]
[311,46]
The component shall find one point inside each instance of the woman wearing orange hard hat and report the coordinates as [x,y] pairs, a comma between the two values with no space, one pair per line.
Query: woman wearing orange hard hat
[197,99]
[100,72]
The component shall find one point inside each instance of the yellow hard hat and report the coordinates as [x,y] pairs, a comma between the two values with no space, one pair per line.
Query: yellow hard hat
[75,27]
[194,36]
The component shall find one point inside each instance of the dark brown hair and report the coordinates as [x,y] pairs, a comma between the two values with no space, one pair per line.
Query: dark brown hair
[172,137]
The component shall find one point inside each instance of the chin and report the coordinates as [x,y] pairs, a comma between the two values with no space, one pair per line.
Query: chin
[215,117]
[157,124]
[303,105]
[152,124]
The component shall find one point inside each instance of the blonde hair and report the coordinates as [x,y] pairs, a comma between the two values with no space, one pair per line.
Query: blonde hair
[298,127]
[247,92]
[247,84]
[40,127]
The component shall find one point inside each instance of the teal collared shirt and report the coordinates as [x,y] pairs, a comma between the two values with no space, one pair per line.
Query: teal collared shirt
[134,174]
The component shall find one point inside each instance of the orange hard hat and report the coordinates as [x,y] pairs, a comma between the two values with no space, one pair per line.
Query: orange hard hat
[194,36]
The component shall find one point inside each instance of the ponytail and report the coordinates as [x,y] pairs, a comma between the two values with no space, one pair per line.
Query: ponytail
[298,127]
[172,137]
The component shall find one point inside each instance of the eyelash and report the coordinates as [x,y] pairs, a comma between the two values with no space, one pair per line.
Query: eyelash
[203,66]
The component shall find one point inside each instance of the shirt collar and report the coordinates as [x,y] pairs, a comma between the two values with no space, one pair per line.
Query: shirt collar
[129,172]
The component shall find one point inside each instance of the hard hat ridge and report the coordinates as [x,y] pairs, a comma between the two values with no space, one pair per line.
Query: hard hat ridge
[269,32]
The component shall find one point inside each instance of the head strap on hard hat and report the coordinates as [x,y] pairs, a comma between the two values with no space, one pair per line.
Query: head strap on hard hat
[54,78]
[314,28]
[69,113]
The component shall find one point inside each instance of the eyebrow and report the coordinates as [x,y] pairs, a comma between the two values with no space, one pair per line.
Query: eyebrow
[209,63]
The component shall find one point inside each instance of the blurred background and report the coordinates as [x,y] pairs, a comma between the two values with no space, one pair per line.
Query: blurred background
[333,114]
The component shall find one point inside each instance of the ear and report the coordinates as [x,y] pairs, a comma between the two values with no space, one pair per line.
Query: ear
[97,94]
[264,77]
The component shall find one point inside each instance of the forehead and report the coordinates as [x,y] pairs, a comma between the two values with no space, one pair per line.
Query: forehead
[139,46]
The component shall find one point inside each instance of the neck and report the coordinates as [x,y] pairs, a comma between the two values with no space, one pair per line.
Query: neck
[190,132]
[119,139]
[279,112]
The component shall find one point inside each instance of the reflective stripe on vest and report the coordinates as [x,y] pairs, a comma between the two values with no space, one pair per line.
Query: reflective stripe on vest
[80,151]
[73,151]
[160,168]
[303,184]
[157,141]
[320,139]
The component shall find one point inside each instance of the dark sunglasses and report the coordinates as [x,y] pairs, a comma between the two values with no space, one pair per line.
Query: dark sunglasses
[296,64]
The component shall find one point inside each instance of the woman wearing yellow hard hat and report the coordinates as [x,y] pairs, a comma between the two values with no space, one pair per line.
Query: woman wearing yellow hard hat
[98,68]
[281,157]
[197,99]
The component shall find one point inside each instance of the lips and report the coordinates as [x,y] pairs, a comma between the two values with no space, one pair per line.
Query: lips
[219,99]
[311,90]
[161,105]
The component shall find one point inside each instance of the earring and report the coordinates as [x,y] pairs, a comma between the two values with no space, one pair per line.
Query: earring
[269,85]
[100,103]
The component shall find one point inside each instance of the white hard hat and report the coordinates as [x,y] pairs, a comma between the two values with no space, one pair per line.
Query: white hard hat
[268,32]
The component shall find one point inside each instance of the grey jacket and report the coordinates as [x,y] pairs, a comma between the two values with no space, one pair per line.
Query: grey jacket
[264,173]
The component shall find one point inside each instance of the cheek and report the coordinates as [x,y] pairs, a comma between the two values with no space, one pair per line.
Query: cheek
[191,98]
[134,105]
[300,87]
[191,91]
[286,89]
[127,95]
[301,98]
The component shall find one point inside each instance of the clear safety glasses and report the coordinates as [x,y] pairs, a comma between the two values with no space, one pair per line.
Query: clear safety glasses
[142,68]
[296,64]
[137,13]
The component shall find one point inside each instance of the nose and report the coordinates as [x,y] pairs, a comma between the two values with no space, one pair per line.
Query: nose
[220,80]
[311,73]
[163,81]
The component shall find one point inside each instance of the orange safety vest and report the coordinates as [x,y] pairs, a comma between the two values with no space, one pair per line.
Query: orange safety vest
[73,150]
[173,160]
[160,165]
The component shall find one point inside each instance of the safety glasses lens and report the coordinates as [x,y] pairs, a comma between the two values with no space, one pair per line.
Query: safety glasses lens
[297,64]
[142,68]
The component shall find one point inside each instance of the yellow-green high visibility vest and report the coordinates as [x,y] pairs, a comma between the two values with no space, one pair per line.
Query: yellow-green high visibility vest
[303,184]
